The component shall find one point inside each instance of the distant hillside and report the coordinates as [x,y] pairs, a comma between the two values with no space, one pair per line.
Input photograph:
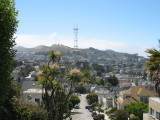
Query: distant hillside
[70,51]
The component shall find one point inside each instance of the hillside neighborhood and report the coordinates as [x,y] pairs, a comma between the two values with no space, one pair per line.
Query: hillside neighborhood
[133,84]
[79,60]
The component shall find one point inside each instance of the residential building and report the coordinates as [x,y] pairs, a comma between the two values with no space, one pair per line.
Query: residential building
[32,96]
[133,95]
[154,109]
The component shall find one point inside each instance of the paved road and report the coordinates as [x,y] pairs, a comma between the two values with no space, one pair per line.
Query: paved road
[82,113]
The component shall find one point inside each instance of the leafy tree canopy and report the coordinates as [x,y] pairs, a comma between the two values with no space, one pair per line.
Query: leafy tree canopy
[137,109]
[121,114]
[74,100]
[92,98]
[113,80]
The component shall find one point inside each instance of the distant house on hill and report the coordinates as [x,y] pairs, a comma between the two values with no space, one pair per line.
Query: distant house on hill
[133,95]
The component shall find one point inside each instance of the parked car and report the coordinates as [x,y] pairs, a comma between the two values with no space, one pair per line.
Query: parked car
[90,110]
[112,116]
[76,106]
[90,107]
[94,113]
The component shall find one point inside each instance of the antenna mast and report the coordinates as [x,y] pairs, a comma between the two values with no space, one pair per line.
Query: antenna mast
[75,38]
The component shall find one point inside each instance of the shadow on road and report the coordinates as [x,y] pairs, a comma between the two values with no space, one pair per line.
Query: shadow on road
[73,113]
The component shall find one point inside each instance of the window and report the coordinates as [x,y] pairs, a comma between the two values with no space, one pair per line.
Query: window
[158,115]
[37,100]
[151,111]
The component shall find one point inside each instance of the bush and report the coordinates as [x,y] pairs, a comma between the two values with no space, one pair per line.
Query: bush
[74,100]
[133,117]
[121,114]
[81,89]
[37,113]
[27,112]
[112,110]
[101,116]
[92,98]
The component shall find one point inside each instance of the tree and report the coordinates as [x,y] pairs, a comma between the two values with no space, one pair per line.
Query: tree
[113,80]
[86,76]
[92,98]
[102,82]
[56,95]
[137,109]
[74,100]
[153,66]
[81,89]
[8,27]
[121,114]
[99,68]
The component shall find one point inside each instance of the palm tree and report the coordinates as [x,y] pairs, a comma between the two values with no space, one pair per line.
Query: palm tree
[153,66]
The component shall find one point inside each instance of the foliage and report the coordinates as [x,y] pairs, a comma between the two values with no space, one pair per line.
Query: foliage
[113,109]
[121,114]
[99,108]
[99,68]
[23,112]
[133,117]
[26,71]
[107,84]
[137,109]
[113,80]
[83,65]
[81,89]
[86,76]
[101,116]
[101,82]
[92,98]
[70,105]
[74,100]
[56,100]
[153,66]
[94,81]
[8,27]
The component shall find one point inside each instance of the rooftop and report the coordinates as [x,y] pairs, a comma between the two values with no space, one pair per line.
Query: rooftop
[33,91]
[157,99]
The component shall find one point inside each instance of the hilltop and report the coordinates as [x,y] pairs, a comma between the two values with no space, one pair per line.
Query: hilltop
[89,52]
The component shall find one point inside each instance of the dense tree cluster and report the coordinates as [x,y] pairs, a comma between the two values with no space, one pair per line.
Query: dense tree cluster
[113,80]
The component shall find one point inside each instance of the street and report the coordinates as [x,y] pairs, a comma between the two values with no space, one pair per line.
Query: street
[82,113]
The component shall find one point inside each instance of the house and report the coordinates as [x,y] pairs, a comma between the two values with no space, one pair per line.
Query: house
[133,95]
[32,96]
[105,100]
[154,109]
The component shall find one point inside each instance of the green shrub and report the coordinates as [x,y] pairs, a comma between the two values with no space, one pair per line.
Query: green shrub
[101,116]
[133,117]
[92,98]
[37,113]
[121,114]
[112,110]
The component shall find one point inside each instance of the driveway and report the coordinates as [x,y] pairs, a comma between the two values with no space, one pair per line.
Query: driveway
[82,113]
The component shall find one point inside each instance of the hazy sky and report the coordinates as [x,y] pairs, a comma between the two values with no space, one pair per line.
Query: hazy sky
[122,25]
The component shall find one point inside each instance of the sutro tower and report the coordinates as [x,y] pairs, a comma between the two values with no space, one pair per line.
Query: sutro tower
[76,37]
